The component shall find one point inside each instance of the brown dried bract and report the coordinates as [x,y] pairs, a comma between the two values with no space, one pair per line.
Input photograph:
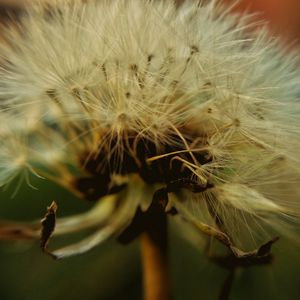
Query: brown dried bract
[48,226]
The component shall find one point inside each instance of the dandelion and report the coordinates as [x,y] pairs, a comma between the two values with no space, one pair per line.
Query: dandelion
[152,110]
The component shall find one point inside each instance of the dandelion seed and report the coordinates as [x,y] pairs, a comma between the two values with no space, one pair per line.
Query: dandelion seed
[153,110]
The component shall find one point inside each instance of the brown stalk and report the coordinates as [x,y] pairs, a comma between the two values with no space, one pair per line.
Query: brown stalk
[155,260]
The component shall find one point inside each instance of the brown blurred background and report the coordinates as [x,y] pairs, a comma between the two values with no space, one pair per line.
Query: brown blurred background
[283,15]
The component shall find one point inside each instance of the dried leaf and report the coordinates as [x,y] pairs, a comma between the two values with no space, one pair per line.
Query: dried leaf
[48,226]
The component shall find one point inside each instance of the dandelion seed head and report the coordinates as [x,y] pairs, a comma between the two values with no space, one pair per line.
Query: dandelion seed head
[151,93]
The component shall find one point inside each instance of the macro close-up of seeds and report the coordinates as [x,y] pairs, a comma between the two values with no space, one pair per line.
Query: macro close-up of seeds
[165,120]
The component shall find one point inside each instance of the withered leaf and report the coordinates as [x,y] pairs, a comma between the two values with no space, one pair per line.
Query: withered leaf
[48,226]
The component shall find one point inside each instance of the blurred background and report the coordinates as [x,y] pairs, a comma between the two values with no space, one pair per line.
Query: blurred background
[112,271]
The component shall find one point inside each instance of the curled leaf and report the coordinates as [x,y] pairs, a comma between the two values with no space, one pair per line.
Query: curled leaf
[48,226]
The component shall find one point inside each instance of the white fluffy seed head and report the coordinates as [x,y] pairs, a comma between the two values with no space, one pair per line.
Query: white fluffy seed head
[81,77]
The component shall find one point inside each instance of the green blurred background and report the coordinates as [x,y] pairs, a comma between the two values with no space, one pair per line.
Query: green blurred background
[112,271]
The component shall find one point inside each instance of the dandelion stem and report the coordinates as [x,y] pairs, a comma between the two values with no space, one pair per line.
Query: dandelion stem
[155,260]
